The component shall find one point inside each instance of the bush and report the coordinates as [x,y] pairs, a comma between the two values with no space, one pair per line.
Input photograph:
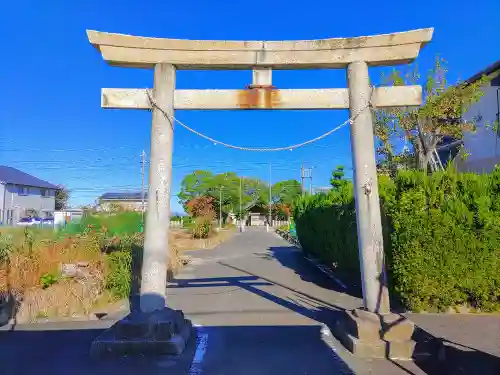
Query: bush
[441,233]
[48,279]
[202,227]
[283,228]
[200,206]
[187,220]
[123,264]
[6,247]
[119,273]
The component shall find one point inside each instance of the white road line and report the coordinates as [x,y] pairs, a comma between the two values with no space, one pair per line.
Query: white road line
[201,348]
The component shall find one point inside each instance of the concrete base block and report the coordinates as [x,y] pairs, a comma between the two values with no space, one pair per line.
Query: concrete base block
[362,326]
[365,348]
[157,333]
[396,327]
[401,350]
[370,335]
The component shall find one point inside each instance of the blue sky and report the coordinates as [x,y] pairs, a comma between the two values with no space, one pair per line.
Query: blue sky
[51,123]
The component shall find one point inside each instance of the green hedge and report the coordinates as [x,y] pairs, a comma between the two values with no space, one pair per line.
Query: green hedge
[326,227]
[442,237]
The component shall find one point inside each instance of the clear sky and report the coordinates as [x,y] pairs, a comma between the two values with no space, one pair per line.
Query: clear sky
[51,123]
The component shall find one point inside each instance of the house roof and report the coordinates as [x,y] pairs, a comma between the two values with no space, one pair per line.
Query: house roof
[486,71]
[9,175]
[123,196]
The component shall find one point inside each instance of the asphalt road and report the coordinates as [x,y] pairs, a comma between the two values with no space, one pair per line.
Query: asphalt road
[264,309]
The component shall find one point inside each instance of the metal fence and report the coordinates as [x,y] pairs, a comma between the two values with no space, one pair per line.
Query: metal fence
[275,223]
[176,224]
[279,223]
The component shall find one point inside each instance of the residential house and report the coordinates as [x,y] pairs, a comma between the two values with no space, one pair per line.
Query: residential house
[322,189]
[482,146]
[22,193]
[130,201]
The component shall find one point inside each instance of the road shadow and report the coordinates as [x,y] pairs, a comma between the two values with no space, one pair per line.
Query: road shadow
[451,358]
[34,349]
[433,355]
[292,258]
[269,350]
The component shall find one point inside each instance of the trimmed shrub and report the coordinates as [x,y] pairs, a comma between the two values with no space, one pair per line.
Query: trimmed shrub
[445,238]
[325,225]
[441,235]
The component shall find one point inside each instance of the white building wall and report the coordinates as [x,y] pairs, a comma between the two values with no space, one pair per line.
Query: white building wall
[483,145]
[2,196]
[33,199]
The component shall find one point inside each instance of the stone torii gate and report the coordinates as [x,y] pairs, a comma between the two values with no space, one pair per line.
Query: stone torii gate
[166,56]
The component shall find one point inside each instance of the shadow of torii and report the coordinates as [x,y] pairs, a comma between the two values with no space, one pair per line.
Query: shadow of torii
[302,303]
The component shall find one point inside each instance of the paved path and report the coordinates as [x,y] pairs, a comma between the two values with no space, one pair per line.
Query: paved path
[263,309]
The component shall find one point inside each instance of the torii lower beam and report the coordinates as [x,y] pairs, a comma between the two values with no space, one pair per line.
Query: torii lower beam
[287,99]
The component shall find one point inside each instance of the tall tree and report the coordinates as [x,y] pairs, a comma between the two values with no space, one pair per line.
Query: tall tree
[62,197]
[285,192]
[337,180]
[425,126]
[194,184]
[224,190]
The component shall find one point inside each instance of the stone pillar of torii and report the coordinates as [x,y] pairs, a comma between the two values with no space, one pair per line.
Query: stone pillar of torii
[166,56]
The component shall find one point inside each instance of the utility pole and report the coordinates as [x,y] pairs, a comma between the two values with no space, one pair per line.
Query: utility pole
[143,162]
[270,198]
[220,207]
[306,173]
[241,210]
[302,178]
[310,181]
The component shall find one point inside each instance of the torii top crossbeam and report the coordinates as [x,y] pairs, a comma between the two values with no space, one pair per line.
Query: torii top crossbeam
[377,50]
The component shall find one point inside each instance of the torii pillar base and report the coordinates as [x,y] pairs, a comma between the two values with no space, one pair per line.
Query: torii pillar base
[161,332]
[370,335]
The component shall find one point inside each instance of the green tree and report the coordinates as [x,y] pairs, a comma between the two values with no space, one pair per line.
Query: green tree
[62,197]
[337,180]
[425,126]
[194,184]
[285,192]
[223,189]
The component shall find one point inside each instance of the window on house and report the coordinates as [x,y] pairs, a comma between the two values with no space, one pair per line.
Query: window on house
[24,190]
[46,193]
